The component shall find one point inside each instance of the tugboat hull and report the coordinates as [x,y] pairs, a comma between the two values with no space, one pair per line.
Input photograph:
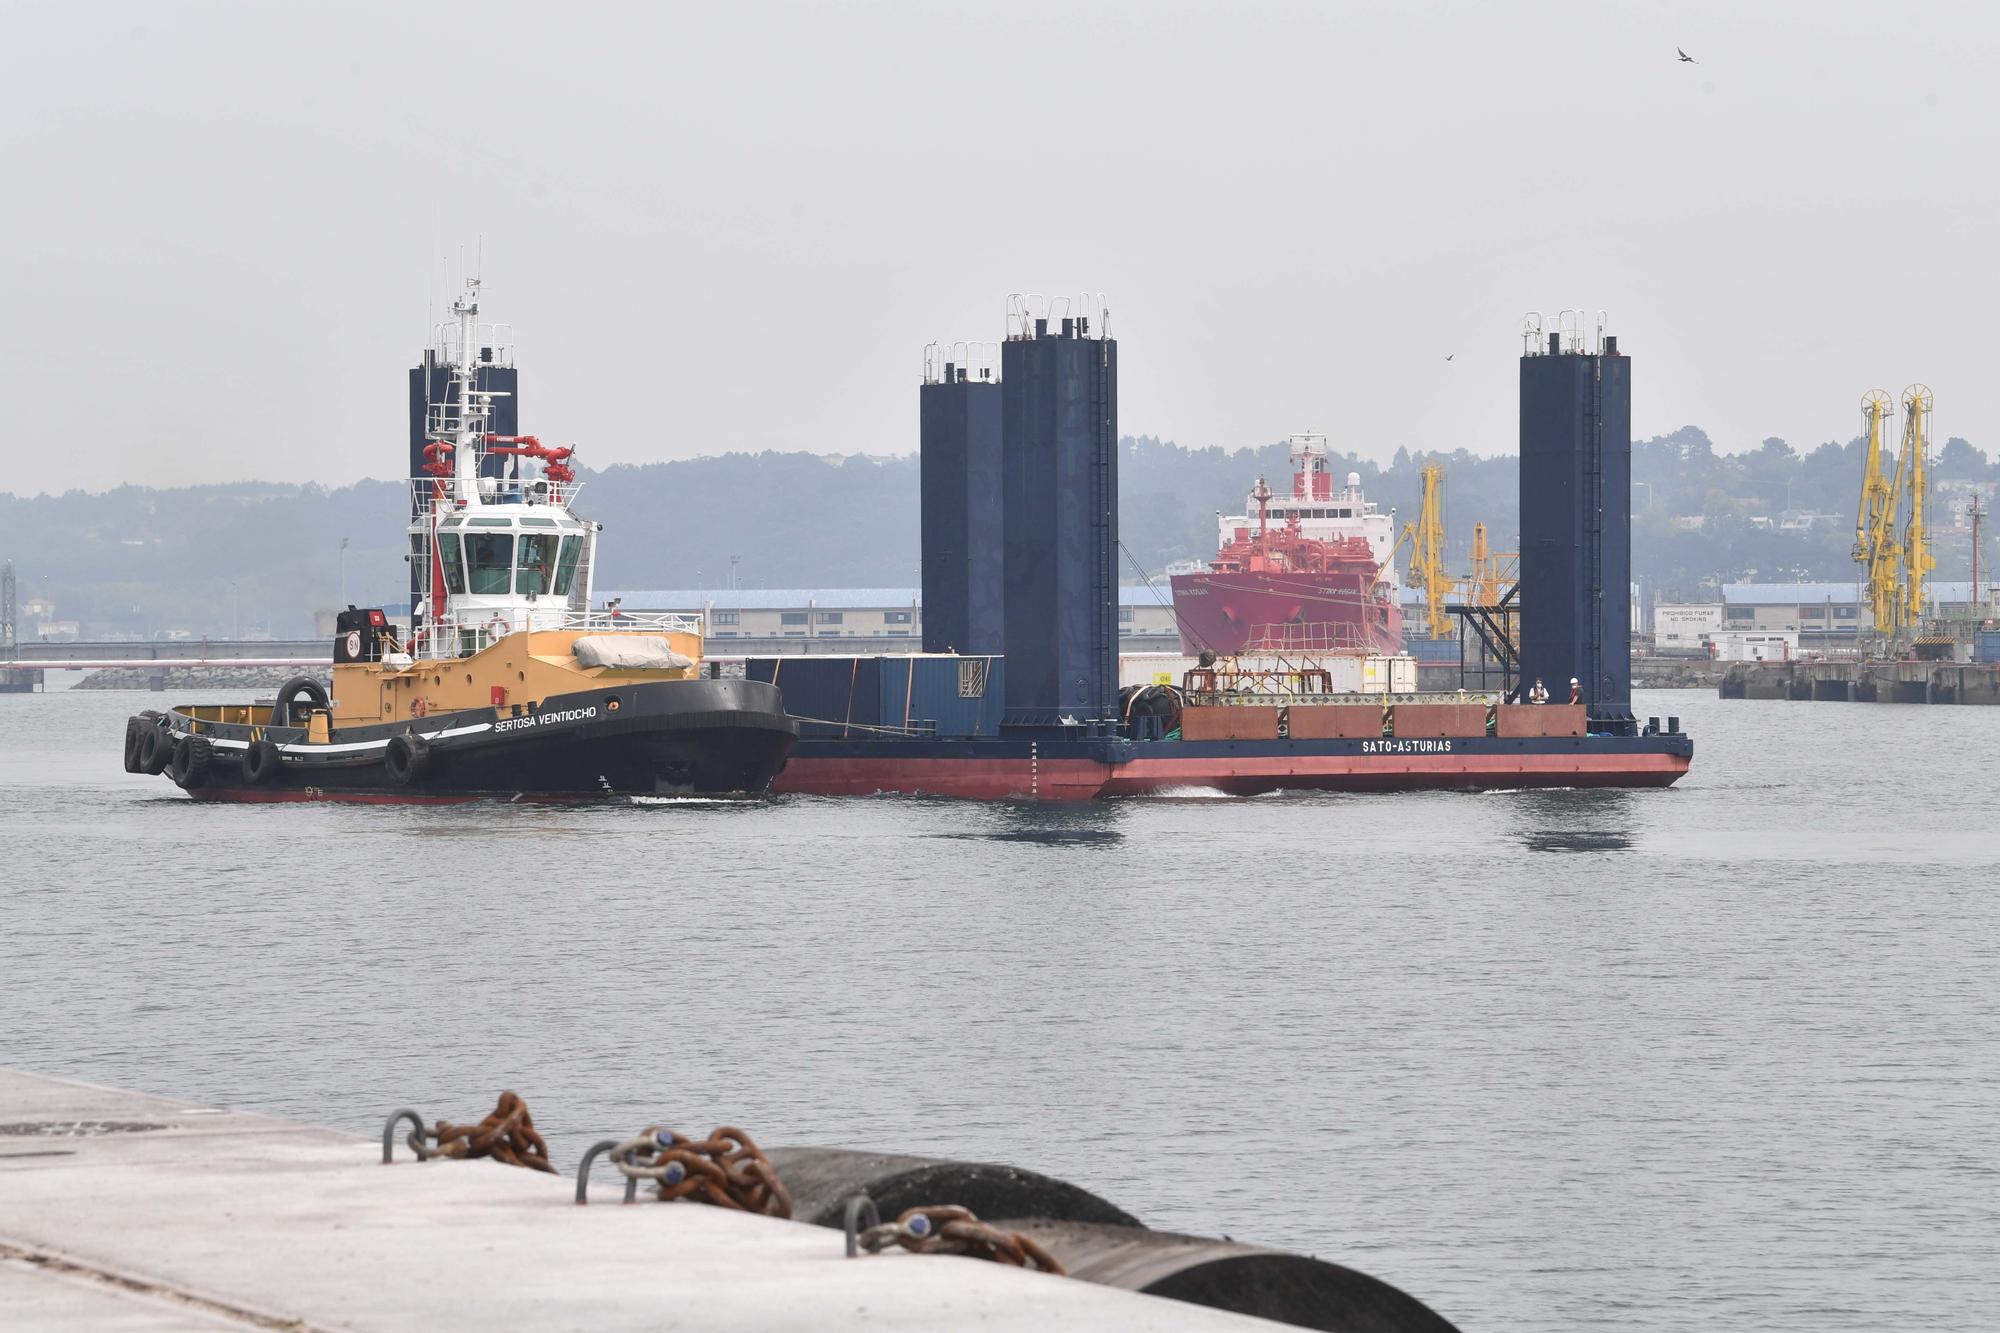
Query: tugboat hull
[686,738]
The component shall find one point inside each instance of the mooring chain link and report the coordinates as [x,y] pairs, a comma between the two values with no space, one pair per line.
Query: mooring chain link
[949,1229]
[726,1169]
[507,1135]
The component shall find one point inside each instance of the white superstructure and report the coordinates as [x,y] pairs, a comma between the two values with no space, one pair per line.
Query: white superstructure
[1322,515]
[493,528]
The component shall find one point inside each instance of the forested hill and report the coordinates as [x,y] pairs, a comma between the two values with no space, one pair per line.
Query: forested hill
[261,557]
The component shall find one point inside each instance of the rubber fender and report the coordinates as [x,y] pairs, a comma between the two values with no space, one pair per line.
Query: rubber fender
[822,1180]
[135,744]
[261,762]
[407,758]
[1099,1242]
[283,714]
[158,750]
[1225,1275]
[192,757]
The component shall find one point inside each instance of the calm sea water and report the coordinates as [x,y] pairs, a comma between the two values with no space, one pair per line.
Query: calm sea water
[1725,1056]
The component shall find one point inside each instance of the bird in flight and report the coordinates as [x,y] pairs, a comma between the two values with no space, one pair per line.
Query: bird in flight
[1685,57]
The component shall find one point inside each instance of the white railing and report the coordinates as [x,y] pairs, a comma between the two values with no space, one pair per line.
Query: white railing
[645,622]
[424,495]
[463,633]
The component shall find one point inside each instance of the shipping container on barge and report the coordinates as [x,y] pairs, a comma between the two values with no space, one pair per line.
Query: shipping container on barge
[509,684]
[1045,719]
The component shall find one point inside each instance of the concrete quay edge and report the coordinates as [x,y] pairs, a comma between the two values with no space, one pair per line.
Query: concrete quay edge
[218,1219]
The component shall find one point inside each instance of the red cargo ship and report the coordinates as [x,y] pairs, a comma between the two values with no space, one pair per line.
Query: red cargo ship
[1306,572]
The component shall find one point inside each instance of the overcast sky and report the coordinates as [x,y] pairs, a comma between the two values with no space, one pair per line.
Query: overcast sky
[734,226]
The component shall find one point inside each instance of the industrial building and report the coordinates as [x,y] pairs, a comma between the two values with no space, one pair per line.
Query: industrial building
[1815,617]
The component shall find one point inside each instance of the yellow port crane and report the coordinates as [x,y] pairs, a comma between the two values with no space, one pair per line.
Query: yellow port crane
[1491,571]
[1875,547]
[1917,558]
[1425,537]
[1891,529]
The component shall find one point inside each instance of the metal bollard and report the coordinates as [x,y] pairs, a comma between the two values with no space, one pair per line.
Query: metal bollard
[583,1172]
[858,1208]
[389,1132]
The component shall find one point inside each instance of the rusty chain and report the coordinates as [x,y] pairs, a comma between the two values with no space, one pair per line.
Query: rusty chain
[507,1135]
[726,1169]
[949,1229]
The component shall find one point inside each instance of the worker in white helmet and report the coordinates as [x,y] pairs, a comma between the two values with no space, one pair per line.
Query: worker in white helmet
[1575,690]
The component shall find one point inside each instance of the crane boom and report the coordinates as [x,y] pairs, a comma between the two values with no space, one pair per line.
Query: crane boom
[1917,558]
[1426,540]
[1875,546]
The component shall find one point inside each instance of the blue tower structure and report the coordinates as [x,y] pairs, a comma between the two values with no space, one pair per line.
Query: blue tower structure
[1059,483]
[1576,518]
[959,481]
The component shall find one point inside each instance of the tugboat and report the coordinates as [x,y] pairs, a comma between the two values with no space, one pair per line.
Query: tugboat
[509,684]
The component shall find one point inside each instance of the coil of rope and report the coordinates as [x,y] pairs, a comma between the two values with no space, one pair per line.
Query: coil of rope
[726,1169]
[949,1229]
[507,1135]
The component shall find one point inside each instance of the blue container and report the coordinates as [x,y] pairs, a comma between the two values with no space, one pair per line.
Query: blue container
[830,696]
[1432,650]
[1986,646]
[945,696]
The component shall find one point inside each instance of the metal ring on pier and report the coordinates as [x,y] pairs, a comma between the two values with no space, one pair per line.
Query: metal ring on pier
[389,1132]
[858,1207]
[583,1172]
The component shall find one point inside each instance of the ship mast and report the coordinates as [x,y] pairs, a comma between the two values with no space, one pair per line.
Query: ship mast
[471,405]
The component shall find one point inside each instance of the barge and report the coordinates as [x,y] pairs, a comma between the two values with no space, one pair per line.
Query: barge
[1026,571]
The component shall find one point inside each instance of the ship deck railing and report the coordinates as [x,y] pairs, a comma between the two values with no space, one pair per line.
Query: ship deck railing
[425,496]
[1378,698]
[465,635]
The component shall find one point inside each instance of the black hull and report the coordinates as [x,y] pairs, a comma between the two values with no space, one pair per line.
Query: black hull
[694,738]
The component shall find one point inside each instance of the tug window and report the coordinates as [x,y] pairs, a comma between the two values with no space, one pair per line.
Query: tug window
[489,562]
[538,563]
[572,548]
[454,569]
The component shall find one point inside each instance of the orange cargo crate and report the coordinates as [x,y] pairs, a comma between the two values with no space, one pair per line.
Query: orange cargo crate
[1439,719]
[1518,720]
[1321,722]
[1229,724]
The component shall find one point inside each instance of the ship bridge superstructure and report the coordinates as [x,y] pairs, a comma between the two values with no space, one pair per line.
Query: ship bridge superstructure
[492,525]
[1320,513]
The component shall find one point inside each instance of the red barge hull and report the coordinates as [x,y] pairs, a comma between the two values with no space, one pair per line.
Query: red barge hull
[1084,771]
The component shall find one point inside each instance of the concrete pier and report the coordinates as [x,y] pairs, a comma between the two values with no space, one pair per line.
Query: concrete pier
[1864,682]
[140,1214]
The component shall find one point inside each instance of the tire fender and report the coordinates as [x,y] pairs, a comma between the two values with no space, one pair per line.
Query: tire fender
[156,750]
[261,763]
[192,757]
[407,758]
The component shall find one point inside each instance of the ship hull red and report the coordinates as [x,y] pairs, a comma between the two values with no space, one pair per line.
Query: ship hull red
[1228,612]
[996,771]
